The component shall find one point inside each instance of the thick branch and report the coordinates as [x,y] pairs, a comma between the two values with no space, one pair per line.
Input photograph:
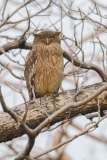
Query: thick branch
[16,45]
[9,128]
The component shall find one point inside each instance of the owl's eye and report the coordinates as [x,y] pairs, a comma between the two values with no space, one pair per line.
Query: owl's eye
[42,38]
[52,37]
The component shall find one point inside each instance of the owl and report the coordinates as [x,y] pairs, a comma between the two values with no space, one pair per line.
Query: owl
[44,65]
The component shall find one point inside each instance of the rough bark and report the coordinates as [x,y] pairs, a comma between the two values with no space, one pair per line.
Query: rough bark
[9,129]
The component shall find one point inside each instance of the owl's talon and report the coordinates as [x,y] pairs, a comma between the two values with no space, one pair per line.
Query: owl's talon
[46,113]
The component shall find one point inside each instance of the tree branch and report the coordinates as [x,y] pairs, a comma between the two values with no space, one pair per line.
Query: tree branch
[16,45]
[35,116]
[89,66]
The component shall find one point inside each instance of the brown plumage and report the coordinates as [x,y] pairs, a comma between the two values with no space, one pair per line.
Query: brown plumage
[44,65]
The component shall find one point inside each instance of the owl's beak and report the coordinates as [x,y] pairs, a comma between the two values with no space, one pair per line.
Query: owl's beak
[47,41]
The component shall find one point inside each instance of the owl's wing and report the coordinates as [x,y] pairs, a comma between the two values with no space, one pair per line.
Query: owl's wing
[30,70]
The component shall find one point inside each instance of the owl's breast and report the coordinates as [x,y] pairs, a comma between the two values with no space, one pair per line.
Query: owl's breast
[44,69]
[49,69]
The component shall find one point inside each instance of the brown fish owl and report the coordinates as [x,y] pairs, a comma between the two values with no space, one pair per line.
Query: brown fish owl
[44,65]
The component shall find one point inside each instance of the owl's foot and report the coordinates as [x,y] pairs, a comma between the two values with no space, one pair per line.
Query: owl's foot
[45,111]
[54,104]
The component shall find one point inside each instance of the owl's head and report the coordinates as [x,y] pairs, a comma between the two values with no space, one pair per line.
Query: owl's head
[47,37]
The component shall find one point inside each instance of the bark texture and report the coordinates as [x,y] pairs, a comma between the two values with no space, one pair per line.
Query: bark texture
[9,129]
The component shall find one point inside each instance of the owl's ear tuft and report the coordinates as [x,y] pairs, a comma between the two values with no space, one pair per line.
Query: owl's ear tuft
[35,34]
[57,33]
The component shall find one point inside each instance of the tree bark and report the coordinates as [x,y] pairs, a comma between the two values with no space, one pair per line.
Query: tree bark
[39,109]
